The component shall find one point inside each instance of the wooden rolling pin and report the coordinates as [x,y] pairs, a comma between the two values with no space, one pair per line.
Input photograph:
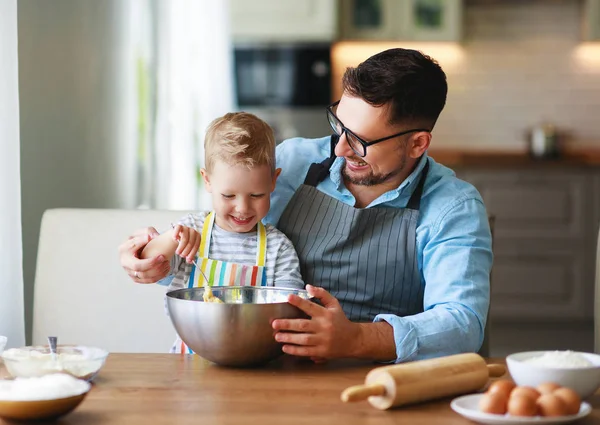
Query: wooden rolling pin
[413,382]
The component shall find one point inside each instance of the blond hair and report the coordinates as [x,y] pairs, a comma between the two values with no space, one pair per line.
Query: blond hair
[239,138]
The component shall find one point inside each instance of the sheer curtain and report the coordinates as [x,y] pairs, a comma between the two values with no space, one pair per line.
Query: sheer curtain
[11,257]
[185,81]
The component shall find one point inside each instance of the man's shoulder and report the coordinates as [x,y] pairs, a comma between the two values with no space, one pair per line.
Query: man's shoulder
[294,157]
[444,189]
[299,150]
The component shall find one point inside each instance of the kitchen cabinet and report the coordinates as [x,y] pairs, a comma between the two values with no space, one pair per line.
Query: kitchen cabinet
[544,242]
[283,21]
[591,20]
[420,20]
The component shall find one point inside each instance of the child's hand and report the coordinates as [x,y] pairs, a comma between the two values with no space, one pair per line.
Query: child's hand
[189,242]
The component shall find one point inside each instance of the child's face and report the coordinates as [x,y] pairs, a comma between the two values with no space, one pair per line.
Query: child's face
[241,196]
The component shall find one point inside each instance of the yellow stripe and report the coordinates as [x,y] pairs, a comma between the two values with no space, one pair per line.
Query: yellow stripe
[262,245]
[205,232]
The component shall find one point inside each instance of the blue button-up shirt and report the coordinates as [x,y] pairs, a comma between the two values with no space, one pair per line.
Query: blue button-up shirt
[453,248]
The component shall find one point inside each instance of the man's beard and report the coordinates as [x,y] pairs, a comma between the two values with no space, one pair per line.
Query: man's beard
[372,179]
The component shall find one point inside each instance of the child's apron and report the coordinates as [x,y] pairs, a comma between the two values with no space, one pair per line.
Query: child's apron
[224,273]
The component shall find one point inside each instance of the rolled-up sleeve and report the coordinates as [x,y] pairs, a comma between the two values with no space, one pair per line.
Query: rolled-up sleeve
[456,259]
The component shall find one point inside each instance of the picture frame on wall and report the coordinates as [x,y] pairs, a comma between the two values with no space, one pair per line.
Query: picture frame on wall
[433,20]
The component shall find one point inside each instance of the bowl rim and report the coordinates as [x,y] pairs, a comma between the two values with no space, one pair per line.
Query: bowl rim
[514,358]
[103,354]
[171,294]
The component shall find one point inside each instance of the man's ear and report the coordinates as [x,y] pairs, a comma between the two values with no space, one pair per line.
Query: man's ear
[206,179]
[419,144]
[275,175]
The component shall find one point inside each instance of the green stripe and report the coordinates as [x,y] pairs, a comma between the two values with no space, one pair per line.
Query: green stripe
[213,268]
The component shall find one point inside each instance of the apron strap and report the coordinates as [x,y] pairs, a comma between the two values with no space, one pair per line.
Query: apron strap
[414,203]
[319,170]
[206,232]
[261,240]
[261,249]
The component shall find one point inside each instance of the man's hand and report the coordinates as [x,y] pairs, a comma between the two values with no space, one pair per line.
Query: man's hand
[149,270]
[327,334]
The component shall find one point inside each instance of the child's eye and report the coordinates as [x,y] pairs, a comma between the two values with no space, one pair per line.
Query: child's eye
[227,196]
[258,195]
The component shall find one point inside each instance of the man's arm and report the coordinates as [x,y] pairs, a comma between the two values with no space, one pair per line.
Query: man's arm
[456,263]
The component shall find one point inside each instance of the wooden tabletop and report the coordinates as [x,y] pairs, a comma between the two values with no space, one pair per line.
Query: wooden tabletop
[179,389]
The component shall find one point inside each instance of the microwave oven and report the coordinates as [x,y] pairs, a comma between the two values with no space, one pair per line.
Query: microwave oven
[283,75]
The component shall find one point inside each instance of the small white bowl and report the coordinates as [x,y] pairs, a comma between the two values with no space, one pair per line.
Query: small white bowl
[29,398]
[78,361]
[583,380]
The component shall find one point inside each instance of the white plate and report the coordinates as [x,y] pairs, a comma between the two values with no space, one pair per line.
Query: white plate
[468,406]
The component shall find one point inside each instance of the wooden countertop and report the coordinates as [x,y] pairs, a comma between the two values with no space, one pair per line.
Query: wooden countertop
[136,389]
[499,159]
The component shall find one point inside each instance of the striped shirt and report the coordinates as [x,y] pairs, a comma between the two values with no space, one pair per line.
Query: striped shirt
[282,264]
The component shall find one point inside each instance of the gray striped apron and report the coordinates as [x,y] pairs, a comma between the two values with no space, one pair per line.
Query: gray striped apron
[365,257]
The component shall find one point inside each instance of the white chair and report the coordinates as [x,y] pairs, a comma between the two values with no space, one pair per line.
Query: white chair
[81,293]
[597,300]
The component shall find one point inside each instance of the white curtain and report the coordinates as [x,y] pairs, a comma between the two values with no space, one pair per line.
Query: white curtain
[11,257]
[187,77]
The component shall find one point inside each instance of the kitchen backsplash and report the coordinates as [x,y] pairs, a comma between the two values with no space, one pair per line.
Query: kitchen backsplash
[520,64]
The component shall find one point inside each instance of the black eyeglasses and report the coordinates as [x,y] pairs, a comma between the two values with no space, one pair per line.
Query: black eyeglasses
[358,145]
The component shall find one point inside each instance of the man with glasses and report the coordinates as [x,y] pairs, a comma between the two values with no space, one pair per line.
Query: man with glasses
[396,249]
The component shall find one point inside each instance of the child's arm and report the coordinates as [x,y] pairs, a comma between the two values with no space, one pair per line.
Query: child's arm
[163,244]
[181,240]
[287,267]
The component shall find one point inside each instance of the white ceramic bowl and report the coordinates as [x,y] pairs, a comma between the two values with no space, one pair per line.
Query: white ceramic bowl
[41,398]
[78,361]
[583,380]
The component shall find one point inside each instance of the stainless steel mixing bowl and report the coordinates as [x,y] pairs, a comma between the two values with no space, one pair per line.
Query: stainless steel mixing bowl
[237,332]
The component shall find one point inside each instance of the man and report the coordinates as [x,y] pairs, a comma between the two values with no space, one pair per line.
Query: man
[398,249]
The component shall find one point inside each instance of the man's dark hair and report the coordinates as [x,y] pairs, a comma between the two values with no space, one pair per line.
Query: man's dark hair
[413,84]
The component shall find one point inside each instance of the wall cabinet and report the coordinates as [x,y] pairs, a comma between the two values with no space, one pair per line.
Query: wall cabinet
[277,20]
[422,20]
[544,243]
[591,20]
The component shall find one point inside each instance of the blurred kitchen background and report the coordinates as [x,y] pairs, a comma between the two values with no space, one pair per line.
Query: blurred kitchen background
[115,96]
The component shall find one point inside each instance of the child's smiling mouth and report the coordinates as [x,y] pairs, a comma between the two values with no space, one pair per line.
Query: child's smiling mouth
[241,220]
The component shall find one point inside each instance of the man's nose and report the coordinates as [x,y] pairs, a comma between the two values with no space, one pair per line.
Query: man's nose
[342,148]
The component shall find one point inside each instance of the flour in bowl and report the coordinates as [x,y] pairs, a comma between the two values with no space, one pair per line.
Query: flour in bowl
[48,387]
[560,359]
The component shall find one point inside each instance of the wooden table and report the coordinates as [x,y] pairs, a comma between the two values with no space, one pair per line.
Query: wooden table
[179,389]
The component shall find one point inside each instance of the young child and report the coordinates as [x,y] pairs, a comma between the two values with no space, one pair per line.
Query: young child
[232,244]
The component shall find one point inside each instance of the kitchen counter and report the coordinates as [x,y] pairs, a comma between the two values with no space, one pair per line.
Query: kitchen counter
[498,159]
[183,389]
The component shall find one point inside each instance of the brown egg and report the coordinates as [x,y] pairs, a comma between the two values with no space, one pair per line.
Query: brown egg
[525,391]
[522,405]
[493,403]
[503,386]
[547,387]
[571,399]
[551,405]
